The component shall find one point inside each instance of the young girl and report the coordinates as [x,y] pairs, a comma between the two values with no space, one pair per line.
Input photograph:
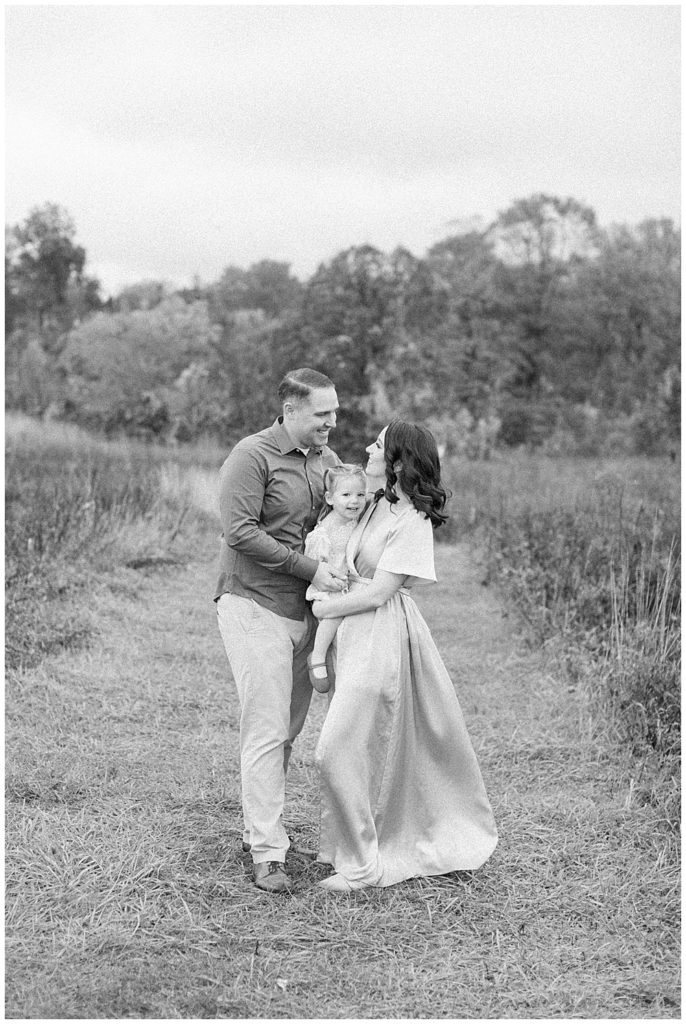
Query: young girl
[345,494]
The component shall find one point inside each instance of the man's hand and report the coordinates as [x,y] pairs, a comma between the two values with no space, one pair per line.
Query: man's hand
[327,578]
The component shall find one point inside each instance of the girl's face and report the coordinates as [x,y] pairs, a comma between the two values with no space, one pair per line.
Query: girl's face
[348,496]
[376,465]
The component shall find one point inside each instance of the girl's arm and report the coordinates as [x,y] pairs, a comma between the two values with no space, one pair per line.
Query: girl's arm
[361,599]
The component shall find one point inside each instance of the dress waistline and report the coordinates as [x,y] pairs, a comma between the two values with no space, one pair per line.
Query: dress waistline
[353,577]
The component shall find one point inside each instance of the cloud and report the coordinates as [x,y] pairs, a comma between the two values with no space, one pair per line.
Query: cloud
[185,138]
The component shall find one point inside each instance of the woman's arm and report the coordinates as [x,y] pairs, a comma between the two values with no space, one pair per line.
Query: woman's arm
[361,599]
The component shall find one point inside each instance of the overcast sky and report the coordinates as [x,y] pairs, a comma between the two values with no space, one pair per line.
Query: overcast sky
[182,139]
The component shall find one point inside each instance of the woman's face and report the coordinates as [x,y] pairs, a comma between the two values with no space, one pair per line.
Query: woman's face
[376,465]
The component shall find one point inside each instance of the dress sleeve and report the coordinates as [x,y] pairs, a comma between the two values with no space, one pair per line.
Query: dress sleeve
[409,549]
[318,545]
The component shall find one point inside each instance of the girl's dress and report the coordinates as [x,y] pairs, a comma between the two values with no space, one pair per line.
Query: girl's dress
[402,794]
[328,542]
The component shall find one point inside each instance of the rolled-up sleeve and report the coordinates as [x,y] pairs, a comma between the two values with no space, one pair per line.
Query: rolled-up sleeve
[242,483]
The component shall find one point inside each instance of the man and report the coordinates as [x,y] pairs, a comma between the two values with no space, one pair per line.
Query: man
[271,489]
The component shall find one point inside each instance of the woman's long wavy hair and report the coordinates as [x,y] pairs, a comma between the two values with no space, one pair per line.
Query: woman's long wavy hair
[419,475]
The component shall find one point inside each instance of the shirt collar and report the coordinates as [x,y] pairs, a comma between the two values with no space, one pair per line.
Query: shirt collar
[285,441]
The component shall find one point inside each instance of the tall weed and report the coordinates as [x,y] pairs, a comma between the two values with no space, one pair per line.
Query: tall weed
[76,508]
[642,660]
[589,550]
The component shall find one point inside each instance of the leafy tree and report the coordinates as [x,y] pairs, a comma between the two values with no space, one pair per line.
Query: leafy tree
[267,285]
[669,392]
[342,330]
[537,240]
[14,305]
[196,291]
[463,267]
[31,382]
[637,280]
[417,294]
[541,327]
[361,319]
[242,372]
[118,365]
[463,355]
[142,295]
[228,294]
[272,288]
[44,274]
[544,231]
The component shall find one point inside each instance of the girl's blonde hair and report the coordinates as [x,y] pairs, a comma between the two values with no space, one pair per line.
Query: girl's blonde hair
[334,475]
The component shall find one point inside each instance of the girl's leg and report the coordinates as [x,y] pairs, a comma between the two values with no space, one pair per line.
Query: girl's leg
[323,638]
[316,662]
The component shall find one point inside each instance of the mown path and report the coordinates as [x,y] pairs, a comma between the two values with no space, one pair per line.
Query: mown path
[129,896]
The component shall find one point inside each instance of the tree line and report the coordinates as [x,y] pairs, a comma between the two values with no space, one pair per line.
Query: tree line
[542,329]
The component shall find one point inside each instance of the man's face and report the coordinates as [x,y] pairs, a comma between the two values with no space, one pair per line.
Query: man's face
[310,420]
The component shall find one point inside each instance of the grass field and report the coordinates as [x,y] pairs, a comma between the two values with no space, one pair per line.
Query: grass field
[127,892]
[589,553]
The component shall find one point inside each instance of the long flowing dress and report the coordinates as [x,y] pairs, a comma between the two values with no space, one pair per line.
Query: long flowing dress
[401,790]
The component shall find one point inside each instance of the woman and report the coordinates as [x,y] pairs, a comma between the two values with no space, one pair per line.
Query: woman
[402,794]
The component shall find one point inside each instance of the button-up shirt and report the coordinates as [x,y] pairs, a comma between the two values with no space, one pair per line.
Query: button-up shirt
[270,494]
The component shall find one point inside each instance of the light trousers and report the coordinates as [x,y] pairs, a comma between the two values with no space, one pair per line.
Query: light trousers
[268,658]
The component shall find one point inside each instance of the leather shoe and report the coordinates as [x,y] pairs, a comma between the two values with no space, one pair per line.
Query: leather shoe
[319,674]
[271,876]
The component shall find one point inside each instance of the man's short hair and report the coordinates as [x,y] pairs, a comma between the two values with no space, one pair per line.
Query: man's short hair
[297,384]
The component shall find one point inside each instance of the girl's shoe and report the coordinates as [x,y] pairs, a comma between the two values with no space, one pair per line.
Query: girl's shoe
[319,674]
[337,883]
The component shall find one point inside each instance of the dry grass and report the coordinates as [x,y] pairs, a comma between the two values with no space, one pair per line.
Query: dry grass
[128,896]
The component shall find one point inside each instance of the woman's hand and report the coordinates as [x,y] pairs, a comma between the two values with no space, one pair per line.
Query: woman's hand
[362,598]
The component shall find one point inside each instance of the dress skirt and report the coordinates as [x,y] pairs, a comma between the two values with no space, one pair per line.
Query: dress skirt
[401,790]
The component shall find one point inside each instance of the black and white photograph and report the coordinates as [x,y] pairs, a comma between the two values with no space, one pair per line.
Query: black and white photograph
[342,511]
